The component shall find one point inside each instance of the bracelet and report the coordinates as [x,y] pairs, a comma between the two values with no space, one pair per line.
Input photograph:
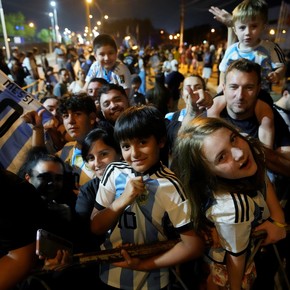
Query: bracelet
[280,225]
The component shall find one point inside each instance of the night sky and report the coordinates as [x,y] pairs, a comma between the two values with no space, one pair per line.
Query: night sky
[164,14]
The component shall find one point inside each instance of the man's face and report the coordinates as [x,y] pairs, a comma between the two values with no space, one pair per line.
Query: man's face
[47,178]
[194,83]
[113,104]
[107,56]
[241,90]
[78,124]
[51,105]
[81,75]
[93,88]
[64,77]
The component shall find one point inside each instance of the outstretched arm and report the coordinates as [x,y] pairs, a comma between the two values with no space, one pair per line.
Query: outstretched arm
[16,265]
[265,116]
[191,246]
[274,231]
[225,18]
[278,161]
[219,103]
[35,119]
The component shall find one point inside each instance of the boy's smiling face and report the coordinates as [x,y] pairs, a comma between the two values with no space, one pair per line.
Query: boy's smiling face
[107,56]
[141,154]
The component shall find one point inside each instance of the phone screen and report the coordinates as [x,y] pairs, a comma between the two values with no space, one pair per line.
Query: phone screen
[47,244]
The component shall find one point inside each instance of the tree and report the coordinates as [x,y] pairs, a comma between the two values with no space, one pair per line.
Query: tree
[44,35]
[16,26]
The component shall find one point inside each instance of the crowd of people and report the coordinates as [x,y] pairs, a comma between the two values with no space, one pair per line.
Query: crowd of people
[121,164]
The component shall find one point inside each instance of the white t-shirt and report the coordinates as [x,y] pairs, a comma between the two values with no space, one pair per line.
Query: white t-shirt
[120,74]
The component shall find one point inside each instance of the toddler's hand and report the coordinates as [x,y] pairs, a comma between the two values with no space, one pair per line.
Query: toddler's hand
[222,16]
[273,77]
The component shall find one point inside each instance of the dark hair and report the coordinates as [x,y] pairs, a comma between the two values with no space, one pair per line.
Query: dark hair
[98,80]
[140,122]
[245,65]
[50,68]
[61,70]
[92,58]
[103,40]
[28,53]
[42,100]
[109,87]
[33,157]
[104,132]
[159,95]
[80,102]
[135,79]
[160,78]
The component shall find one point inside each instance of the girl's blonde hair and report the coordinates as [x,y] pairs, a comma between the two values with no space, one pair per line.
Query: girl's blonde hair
[194,173]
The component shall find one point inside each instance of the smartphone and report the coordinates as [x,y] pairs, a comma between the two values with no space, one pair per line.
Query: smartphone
[47,244]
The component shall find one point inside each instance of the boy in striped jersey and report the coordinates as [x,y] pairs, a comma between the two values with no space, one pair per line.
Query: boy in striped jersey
[134,199]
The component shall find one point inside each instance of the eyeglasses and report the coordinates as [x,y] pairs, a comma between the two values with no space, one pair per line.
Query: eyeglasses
[50,177]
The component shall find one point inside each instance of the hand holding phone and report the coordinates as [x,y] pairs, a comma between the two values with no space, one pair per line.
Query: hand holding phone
[47,244]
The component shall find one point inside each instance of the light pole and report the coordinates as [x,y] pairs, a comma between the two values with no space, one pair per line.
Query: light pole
[53,4]
[88,15]
[106,17]
[4,31]
[181,23]
[52,26]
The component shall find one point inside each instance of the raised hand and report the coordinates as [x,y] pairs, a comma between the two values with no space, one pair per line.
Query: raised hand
[221,15]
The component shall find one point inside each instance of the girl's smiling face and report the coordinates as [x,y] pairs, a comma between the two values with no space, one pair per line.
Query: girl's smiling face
[228,155]
[100,155]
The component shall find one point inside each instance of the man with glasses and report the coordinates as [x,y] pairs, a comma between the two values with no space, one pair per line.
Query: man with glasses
[47,174]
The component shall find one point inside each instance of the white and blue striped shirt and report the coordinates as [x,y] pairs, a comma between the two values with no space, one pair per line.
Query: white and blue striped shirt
[142,222]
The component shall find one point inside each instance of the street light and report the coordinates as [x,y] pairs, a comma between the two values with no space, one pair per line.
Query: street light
[53,4]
